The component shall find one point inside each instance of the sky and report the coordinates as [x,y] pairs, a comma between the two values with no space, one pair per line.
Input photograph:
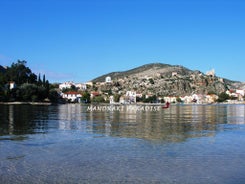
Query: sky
[79,40]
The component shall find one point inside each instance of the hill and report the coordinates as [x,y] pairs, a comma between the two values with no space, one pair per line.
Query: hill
[164,79]
[142,70]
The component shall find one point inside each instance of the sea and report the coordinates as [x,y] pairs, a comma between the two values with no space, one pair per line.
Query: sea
[94,144]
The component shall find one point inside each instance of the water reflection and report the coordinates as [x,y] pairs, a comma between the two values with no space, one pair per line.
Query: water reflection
[68,144]
[23,119]
[236,114]
[174,124]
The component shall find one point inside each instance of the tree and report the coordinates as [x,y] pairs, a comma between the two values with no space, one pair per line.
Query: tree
[39,82]
[116,97]
[2,78]
[151,99]
[223,97]
[2,94]
[53,95]
[151,81]
[44,80]
[27,91]
[179,100]
[85,97]
[29,86]
[20,74]
[98,99]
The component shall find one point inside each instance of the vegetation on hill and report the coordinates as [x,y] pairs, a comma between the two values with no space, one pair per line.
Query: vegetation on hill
[27,85]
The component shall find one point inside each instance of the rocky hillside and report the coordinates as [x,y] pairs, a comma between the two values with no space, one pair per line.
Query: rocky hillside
[164,79]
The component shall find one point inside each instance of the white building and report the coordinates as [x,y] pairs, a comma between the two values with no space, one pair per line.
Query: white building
[240,91]
[112,100]
[81,86]
[170,99]
[66,85]
[12,85]
[108,79]
[69,84]
[210,98]
[194,98]
[72,96]
[129,97]
[211,73]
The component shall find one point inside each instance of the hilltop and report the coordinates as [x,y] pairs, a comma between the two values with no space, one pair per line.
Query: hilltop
[164,79]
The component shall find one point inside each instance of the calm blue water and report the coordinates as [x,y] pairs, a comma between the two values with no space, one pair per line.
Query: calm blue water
[68,144]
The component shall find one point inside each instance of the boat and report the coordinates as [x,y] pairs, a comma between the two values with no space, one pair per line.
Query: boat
[167,105]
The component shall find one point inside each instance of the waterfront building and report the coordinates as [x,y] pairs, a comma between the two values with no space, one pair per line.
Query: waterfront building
[72,96]
[112,100]
[170,99]
[131,96]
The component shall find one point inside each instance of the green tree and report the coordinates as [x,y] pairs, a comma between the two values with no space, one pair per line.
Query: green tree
[27,91]
[2,79]
[39,82]
[116,97]
[98,99]
[222,97]
[29,87]
[151,81]
[3,96]
[20,74]
[179,100]
[151,99]
[53,96]
[85,97]
[44,80]
[31,92]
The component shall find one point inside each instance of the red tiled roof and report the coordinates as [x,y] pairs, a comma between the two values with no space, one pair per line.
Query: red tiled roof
[95,93]
[72,93]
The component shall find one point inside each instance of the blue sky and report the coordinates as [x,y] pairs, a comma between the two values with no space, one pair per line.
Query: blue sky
[78,40]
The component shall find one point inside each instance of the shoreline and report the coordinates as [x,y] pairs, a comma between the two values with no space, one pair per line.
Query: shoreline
[25,103]
[119,104]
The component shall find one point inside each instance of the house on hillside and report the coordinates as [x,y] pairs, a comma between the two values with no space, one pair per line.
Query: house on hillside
[236,93]
[66,85]
[128,98]
[108,79]
[81,86]
[72,96]
[69,84]
[211,73]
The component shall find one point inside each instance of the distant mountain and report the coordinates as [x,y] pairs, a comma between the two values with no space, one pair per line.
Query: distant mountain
[164,79]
